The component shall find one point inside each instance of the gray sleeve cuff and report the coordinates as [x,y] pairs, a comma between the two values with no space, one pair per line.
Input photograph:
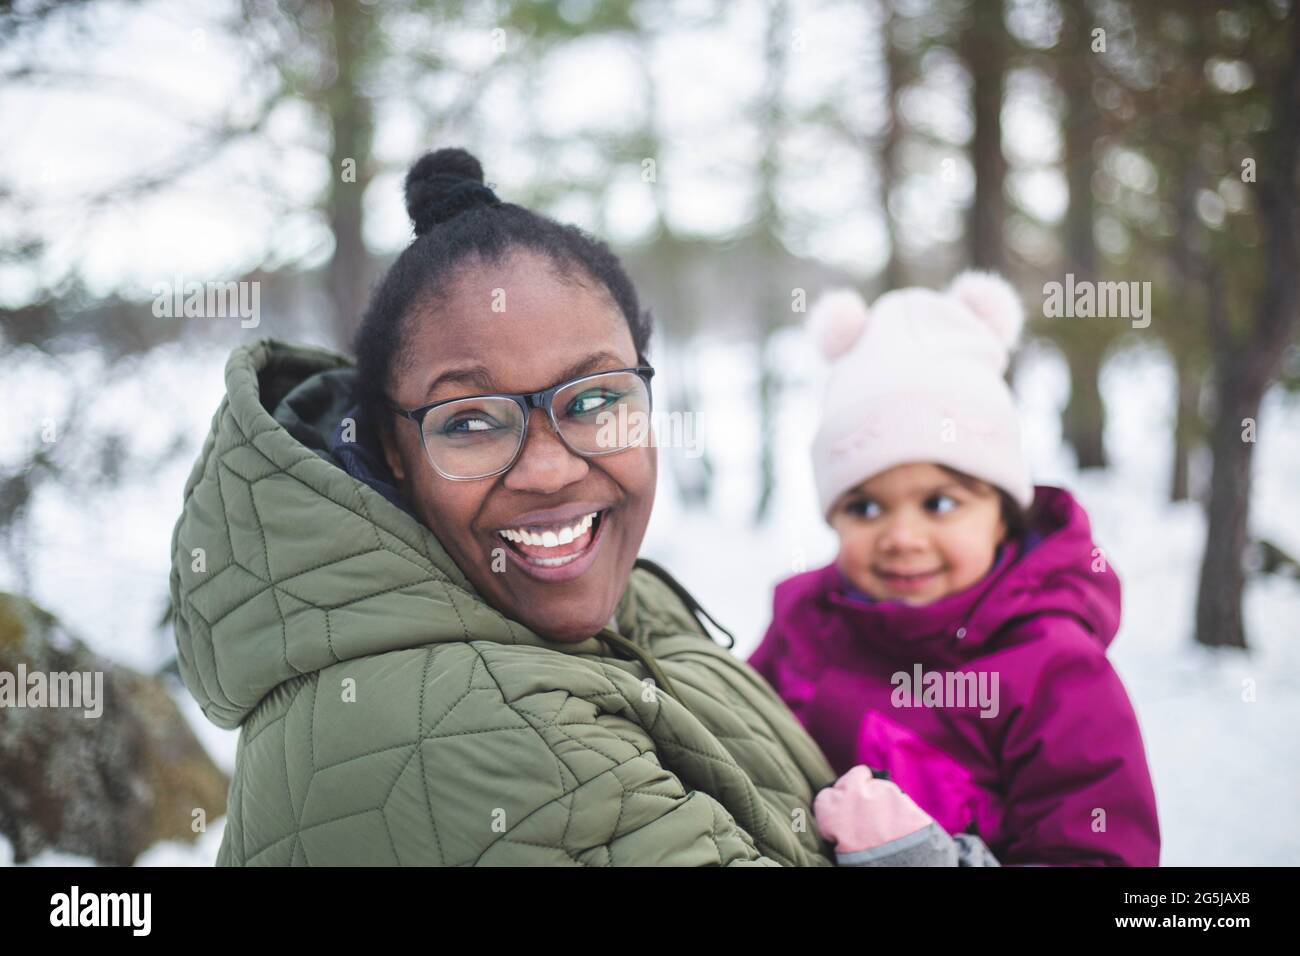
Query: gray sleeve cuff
[929,846]
[972,851]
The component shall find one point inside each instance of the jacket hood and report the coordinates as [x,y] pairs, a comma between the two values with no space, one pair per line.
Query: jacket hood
[1055,570]
[283,563]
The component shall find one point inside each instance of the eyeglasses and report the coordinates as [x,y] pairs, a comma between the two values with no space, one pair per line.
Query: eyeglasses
[481,436]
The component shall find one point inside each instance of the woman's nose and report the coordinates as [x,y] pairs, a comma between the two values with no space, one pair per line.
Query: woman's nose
[545,464]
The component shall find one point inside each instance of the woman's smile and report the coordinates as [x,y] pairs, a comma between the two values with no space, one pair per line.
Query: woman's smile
[557,547]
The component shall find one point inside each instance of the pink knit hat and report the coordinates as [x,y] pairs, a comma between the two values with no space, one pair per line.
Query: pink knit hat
[918,378]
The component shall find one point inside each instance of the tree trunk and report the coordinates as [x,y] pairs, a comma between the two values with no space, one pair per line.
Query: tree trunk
[771,299]
[1079,133]
[768,403]
[1219,621]
[692,468]
[890,147]
[352,122]
[983,49]
[1243,371]
[1083,420]
[1187,414]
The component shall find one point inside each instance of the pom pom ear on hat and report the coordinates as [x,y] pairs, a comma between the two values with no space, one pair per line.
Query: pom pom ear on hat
[836,321]
[993,301]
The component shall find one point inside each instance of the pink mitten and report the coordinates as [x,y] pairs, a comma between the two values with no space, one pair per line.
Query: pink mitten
[860,812]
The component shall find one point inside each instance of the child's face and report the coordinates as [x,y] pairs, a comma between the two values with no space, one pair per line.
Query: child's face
[917,532]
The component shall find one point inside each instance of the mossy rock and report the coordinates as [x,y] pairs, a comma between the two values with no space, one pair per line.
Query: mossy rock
[107,786]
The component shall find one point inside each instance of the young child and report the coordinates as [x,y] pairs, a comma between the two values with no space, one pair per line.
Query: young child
[958,641]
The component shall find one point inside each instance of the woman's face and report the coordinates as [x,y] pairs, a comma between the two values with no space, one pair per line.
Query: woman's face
[518,327]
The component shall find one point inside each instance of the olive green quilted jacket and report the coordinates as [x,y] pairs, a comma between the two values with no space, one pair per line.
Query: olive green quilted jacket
[389,715]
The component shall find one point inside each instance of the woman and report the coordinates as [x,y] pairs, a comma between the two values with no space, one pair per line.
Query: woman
[414,583]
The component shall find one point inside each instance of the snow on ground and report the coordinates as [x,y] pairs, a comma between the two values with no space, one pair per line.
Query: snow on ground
[203,852]
[1219,725]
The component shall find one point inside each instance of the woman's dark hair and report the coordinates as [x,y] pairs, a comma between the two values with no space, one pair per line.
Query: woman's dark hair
[458,219]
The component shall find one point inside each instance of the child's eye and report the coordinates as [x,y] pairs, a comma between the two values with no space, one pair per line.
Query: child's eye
[940,504]
[863,508]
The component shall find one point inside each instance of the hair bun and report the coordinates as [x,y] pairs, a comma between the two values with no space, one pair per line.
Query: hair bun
[443,184]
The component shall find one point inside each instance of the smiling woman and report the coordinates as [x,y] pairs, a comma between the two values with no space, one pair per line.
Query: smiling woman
[492,298]
[414,582]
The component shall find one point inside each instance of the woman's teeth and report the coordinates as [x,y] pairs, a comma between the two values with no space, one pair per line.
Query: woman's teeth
[556,546]
[549,537]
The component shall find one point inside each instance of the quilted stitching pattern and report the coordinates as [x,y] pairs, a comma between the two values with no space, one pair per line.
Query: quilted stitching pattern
[389,716]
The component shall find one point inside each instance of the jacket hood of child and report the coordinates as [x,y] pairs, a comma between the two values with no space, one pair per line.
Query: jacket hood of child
[1054,753]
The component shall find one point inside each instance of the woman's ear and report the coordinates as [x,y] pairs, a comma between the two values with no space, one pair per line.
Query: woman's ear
[392,455]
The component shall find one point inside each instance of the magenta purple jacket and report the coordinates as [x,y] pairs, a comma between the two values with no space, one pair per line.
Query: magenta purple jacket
[1047,767]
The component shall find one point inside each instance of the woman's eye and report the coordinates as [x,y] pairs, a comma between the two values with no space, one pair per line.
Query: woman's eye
[592,400]
[940,504]
[470,423]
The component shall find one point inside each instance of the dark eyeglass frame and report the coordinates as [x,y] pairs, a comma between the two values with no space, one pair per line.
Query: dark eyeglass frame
[542,399]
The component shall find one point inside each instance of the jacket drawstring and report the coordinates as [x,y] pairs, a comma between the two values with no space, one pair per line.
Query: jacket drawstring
[646,659]
[686,598]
